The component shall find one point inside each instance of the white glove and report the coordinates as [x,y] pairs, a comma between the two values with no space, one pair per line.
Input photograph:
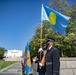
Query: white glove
[40,64]
[34,60]
[40,49]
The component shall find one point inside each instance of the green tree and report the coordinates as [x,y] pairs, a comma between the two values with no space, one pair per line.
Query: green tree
[65,44]
[61,6]
[35,41]
[2,51]
[71,34]
[72,24]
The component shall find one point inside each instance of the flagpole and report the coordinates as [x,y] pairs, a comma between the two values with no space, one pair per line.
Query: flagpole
[41,31]
[40,38]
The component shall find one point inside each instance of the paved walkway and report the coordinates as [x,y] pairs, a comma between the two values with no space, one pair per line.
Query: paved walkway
[14,69]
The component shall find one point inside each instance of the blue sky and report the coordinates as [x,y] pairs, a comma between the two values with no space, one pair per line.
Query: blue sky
[18,19]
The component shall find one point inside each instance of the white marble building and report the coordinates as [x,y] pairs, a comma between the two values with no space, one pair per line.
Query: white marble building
[13,53]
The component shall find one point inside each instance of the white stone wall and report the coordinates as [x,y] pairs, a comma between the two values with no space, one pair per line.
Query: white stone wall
[68,66]
[12,59]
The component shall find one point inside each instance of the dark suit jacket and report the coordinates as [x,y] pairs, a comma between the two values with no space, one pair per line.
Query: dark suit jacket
[52,62]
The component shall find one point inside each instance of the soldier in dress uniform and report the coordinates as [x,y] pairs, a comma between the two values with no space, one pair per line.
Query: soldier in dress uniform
[52,59]
[41,69]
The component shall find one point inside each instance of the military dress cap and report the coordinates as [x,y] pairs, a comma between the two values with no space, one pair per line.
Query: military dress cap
[50,39]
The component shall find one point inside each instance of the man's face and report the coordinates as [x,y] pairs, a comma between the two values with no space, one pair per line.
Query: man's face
[50,44]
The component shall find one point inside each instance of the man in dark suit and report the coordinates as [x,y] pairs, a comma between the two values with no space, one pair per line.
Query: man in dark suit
[52,59]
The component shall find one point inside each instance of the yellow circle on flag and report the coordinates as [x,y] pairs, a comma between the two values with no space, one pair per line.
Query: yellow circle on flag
[52,18]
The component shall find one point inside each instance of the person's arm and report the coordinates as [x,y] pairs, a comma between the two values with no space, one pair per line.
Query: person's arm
[56,62]
[35,59]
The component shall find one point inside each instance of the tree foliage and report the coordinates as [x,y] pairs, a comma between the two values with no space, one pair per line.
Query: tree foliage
[60,5]
[65,44]
[2,51]
[35,41]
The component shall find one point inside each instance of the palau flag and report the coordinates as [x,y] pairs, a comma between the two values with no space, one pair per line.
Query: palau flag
[57,20]
[28,61]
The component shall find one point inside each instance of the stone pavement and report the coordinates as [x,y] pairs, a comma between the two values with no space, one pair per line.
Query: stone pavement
[14,69]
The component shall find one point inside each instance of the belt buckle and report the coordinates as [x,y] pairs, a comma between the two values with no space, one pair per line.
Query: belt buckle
[48,63]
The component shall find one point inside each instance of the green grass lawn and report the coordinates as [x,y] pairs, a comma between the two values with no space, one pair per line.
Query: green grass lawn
[4,64]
